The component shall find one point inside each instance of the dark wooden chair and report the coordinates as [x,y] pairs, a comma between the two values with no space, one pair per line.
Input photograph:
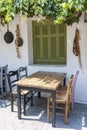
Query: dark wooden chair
[3,79]
[26,95]
[22,72]
[62,102]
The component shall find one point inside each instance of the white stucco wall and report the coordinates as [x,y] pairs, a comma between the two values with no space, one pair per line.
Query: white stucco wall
[8,51]
[8,54]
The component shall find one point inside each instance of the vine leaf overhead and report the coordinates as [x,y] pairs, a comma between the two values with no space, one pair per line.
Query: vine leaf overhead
[59,11]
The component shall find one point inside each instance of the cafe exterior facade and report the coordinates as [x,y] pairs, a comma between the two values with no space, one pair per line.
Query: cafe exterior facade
[30,54]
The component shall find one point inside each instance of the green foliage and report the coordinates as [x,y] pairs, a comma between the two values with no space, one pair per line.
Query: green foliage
[60,11]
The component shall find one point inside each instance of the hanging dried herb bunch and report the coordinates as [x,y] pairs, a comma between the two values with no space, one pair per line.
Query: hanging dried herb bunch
[76,47]
[17,41]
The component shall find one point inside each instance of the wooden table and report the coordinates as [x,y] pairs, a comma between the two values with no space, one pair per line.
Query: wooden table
[41,81]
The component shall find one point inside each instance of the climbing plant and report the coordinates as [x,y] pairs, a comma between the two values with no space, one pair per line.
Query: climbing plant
[60,11]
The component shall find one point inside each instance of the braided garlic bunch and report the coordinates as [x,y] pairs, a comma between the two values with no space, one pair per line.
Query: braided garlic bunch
[17,41]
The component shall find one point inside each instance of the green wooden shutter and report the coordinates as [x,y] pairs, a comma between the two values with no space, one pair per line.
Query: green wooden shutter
[62,43]
[49,43]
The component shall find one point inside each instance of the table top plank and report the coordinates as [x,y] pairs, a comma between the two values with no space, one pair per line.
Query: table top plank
[42,80]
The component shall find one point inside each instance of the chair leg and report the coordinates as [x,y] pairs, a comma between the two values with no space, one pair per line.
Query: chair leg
[2,92]
[6,85]
[69,107]
[72,105]
[24,104]
[66,113]
[39,94]
[48,111]
[32,100]
[12,103]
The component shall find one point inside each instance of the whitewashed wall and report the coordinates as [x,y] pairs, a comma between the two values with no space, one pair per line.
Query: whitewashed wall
[8,54]
[8,51]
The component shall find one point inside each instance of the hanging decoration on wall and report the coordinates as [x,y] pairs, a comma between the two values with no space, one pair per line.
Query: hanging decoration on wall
[76,47]
[18,41]
[8,37]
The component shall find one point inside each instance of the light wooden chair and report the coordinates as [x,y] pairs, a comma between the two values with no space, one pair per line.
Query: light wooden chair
[63,88]
[3,79]
[73,89]
[61,99]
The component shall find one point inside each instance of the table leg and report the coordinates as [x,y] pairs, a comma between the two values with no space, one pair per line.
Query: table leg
[19,102]
[53,109]
[39,94]
[64,82]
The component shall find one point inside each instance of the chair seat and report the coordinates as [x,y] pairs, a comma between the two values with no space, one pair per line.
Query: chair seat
[23,92]
[60,94]
[62,87]
[60,97]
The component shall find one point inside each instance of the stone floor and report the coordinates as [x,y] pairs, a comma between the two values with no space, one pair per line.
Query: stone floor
[36,119]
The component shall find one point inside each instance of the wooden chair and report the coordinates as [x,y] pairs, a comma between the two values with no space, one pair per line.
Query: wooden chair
[3,79]
[61,99]
[73,89]
[63,88]
[12,78]
[22,72]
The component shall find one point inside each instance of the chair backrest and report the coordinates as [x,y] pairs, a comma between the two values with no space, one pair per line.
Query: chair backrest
[68,89]
[3,77]
[3,70]
[12,78]
[22,72]
[73,89]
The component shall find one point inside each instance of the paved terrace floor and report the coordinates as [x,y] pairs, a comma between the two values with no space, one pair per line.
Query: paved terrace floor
[36,119]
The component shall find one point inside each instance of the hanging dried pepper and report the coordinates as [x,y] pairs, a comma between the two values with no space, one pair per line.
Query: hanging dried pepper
[76,47]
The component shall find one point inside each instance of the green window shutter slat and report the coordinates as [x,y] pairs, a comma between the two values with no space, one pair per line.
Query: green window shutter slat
[61,47]
[45,48]
[62,43]
[37,30]
[53,29]
[44,42]
[52,42]
[61,29]
[37,48]
[45,29]
[53,47]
